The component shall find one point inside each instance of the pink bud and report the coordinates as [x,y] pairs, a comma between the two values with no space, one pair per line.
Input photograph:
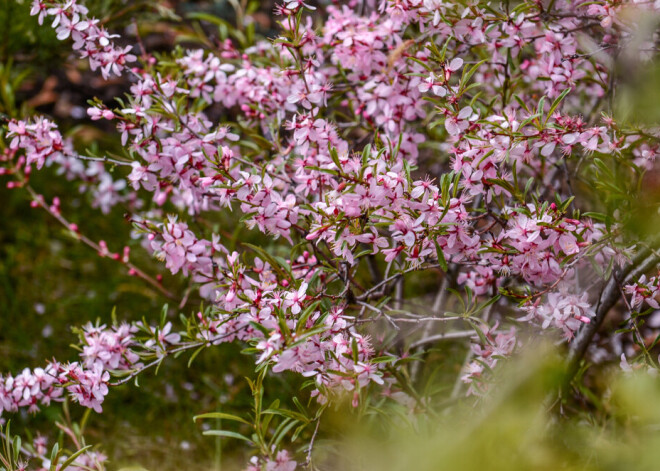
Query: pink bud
[160,198]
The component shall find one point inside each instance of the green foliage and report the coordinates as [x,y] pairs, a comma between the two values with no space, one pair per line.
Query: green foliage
[23,39]
[519,427]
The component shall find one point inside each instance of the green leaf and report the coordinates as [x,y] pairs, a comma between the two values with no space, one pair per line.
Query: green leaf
[441,257]
[287,413]
[529,120]
[354,347]
[323,170]
[194,355]
[310,333]
[479,332]
[54,456]
[226,433]
[539,109]
[201,16]
[334,156]
[467,75]
[69,461]
[366,154]
[220,415]
[267,257]
[602,167]
[305,315]
[384,359]
[557,101]
[420,62]
[282,430]
[262,328]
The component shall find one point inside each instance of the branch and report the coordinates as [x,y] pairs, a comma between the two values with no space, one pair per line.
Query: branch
[182,348]
[90,243]
[105,160]
[379,288]
[610,295]
[308,461]
[448,335]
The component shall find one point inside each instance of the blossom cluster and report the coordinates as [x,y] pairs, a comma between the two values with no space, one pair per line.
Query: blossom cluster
[498,345]
[561,310]
[88,459]
[321,345]
[43,144]
[104,349]
[90,38]
[644,291]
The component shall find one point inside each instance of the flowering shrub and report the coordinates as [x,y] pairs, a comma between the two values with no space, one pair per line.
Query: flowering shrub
[370,143]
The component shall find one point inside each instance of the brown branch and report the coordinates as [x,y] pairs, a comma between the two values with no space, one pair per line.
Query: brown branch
[609,297]
[90,243]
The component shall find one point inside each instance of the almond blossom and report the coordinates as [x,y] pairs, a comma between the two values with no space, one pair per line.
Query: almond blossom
[316,191]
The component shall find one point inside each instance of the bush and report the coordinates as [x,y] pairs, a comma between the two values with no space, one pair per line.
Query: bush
[381,202]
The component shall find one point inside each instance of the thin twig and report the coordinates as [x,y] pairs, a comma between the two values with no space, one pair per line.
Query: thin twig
[90,243]
[105,159]
[468,358]
[308,462]
[461,334]
[378,287]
